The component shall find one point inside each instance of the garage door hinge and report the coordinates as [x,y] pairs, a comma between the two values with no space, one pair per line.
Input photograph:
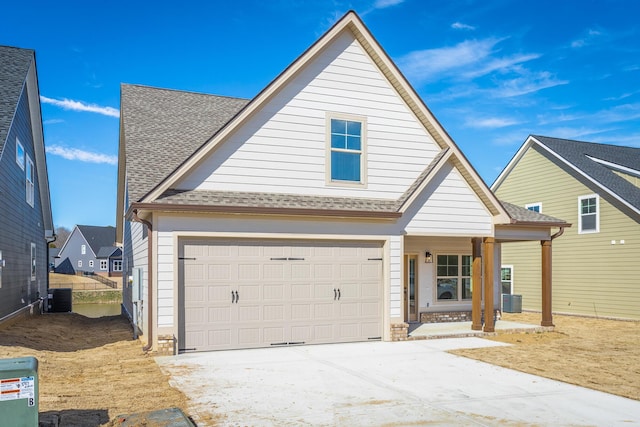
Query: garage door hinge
[288,343]
[374,338]
[287,259]
[183,350]
[375,259]
[186,258]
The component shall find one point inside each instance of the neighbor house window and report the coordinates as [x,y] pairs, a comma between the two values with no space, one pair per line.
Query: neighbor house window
[453,281]
[79,263]
[117,265]
[83,249]
[536,207]
[90,263]
[506,278]
[103,264]
[19,154]
[33,261]
[346,150]
[589,214]
[30,188]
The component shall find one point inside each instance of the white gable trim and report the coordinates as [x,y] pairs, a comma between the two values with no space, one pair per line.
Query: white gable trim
[350,22]
[630,171]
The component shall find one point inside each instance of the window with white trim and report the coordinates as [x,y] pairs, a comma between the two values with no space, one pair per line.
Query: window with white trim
[90,263]
[536,207]
[30,187]
[33,261]
[19,154]
[104,264]
[453,277]
[79,263]
[506,279]
[589,214]
[117,265]
[346,146]
[83,249]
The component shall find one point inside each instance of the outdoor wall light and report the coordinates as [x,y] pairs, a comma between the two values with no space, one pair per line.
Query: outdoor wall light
[428,258]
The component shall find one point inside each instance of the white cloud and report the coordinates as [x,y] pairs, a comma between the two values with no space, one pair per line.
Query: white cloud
[527,83]
[381,4]
[423,65]
[461,26]
[69,104]
[588,39]
[501,64]
[491,122]
[81,155]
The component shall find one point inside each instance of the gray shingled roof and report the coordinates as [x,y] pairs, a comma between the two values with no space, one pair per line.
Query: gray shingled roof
[108,251]
[578,154]
[164,127]
[98,237]
[14,65]
[520,215]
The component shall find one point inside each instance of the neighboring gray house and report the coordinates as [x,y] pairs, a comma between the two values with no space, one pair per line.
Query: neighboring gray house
[90,249]
[26,224]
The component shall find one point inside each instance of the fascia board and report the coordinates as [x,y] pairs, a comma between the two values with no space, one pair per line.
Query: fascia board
[512,163]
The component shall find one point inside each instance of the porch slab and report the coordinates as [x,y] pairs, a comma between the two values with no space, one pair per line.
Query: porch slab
[422,331]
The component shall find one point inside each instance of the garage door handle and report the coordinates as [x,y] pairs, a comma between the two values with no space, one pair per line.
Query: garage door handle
[233,297]
[237,297]
[338,293]
[335,295]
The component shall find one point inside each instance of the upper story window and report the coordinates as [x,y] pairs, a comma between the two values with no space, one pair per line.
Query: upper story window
[536,207]
[103,264]
[83,249]
[346,150]
[30,187]
[589,214]
[19,154]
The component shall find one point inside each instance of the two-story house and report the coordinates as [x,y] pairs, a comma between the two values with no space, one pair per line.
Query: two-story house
[597,188]
[90,249]
[26,224]
[331,207]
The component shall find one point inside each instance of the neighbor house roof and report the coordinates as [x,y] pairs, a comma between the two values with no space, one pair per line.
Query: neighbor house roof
[14,65]
[523,216]
[98,237]
[595,162]
[109,251]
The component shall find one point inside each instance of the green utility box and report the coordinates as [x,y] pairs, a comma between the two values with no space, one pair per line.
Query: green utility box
[19,392]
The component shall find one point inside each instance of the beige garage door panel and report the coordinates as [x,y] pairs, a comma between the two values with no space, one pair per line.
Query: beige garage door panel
[259,294]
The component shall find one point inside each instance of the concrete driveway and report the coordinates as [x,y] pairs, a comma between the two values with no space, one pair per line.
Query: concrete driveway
[411,383]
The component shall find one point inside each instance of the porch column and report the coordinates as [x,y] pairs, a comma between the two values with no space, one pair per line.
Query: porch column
[476,285]
[489,324]
[547,317]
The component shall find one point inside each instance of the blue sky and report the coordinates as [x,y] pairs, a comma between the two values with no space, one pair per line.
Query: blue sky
[491,71]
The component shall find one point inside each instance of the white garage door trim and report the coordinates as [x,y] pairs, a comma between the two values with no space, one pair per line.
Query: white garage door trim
[262,293]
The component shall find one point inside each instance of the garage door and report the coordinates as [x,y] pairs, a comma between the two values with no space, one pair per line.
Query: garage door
[246,294]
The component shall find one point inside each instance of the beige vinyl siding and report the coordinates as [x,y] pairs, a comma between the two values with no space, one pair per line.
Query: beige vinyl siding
[283,146]
[140,260]
[591,275]
[631,178]
[449,207]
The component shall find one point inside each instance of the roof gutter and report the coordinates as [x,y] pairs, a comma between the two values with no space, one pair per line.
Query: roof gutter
[558,234]
[136,218]
[167,207]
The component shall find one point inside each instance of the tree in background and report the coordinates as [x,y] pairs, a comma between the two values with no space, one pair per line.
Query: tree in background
[63,234]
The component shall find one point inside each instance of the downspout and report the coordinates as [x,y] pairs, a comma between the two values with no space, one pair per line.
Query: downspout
[45,299]
[149,277]
[558,234]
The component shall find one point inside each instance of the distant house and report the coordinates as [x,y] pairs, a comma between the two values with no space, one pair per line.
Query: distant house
[332,207]
[26,224]
[596,268]
[90,249]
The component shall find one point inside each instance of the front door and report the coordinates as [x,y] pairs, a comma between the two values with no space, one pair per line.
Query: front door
[411,288]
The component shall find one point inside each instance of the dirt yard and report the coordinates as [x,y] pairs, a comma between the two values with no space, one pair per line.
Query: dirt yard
[596,353]
[91,370]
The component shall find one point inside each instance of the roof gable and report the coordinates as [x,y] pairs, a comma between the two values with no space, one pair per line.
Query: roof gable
[595,162]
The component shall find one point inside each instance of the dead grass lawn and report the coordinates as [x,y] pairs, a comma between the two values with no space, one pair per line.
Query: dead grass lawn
[600,354]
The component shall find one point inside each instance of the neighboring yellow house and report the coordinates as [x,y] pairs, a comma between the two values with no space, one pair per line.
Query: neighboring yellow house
[595,187]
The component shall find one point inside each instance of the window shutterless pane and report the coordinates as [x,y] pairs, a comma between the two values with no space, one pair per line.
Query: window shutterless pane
[588,206]
[354,128]
[466,288]
[345,166]
[338,126]
[353,142]
[338,141]
[447,289]
[589,222]
[466,265]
